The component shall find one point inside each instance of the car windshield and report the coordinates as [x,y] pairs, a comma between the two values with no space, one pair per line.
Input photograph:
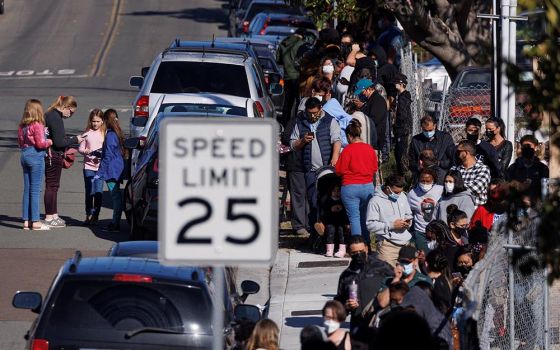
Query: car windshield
[272,8]
[175,77]
[475,80]
[287,21]
[109,307]
[203,108]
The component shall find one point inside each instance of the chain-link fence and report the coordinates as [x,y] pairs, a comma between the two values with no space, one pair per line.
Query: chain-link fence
[511,308]
[409,68]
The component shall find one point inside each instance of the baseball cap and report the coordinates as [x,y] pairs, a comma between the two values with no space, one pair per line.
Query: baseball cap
[400,78]
[407,253]
[361,85]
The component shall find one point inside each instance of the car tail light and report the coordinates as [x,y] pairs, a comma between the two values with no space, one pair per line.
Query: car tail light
[266,79]
[40,344]
[260,108]
[263,30]
[245,26]
[142,107]
[123,277]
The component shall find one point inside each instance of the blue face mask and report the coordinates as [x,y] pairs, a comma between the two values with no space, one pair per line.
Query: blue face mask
[393,197]
[407,269]
[429,134]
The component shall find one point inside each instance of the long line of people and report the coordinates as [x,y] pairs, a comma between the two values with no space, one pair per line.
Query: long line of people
[413,235]
[46,149]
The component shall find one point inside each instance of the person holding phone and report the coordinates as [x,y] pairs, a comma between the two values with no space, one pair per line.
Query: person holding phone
[389,217]
[90,147]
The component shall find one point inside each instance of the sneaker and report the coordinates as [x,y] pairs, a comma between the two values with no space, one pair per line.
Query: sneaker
[302,232]
[56,223]
[111,228]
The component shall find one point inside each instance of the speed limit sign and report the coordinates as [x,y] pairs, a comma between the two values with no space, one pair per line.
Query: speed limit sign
[218,190]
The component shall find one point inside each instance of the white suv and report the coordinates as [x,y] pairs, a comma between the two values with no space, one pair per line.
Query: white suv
[201,67]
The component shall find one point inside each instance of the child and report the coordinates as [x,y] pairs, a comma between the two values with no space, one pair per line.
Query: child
[112,165]
[333,215]
[32,142]
[90,147]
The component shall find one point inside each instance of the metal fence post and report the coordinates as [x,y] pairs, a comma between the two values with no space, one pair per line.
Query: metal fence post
[511,293]
[546,315]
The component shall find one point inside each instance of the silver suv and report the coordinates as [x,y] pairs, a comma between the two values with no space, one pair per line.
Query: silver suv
[202,67]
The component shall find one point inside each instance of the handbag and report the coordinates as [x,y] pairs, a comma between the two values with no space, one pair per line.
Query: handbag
[68,157]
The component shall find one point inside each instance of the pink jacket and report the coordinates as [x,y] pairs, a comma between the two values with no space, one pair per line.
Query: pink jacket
[33,135]
[93,142]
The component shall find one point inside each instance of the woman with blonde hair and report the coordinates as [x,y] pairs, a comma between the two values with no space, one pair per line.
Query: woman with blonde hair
[32,141]
[264,336]
[62,108]
[112,165]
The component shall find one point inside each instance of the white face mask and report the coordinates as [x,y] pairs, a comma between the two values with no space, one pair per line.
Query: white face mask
[432,245]
[328,69]
[449,187]
[426,187]
[331,326]
[319,97]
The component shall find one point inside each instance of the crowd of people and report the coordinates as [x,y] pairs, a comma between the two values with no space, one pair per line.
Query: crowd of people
[46,150]
[414,232]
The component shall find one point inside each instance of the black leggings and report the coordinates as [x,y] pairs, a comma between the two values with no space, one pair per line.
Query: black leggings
[331,231]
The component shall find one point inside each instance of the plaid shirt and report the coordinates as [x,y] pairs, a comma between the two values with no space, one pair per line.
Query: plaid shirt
[477,179]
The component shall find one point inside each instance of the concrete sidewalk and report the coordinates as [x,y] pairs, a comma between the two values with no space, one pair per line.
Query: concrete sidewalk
[300,284]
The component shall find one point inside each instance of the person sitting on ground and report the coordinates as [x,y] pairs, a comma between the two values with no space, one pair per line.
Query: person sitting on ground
[389,217]
[333,215]
[366,273]
[455,193]
[334,314]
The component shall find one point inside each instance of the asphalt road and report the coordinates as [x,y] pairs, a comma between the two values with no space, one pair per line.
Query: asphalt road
[89,49]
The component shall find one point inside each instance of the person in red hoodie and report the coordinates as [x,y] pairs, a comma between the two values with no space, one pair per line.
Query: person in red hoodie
[495,209]
[357,166]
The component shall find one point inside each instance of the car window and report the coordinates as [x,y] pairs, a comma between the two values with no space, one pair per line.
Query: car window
[286,21]
[203,108]
[245,4]
[278,7]
[123,306]
[266,63]
[256,23]
[475,80]
[257,79]
[175,77]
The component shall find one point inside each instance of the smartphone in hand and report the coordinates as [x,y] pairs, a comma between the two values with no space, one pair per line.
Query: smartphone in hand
[311,133]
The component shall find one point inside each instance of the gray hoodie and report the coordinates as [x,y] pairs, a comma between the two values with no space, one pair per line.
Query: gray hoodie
[382,213]
[463,200]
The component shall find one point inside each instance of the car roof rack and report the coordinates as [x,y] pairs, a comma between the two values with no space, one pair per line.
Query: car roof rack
[75,261]
[205,49]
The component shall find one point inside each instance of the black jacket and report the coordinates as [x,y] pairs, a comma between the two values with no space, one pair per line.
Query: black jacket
[486,153]
[386,72]
[532,171]
[403,119]
[505,152]
[442,144]
[56,131]
[376,109]
[369,280]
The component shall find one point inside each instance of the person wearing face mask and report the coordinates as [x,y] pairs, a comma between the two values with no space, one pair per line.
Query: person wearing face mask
[437,268]
[316,136]
[485,152]
[440,142]
[359,283]
[463,262]
[495,209]
[373,105]
[528,169]
[422,200]
[457,236]
[63,108]
[454,193]
[475,174]
[327,69]
[402,129]
[334,314]
[389,217]
[495,134]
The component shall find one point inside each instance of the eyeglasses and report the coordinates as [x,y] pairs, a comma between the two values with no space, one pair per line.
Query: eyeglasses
[357,252]
[317,114]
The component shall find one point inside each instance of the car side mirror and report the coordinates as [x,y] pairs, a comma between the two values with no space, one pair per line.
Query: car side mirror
[28,300]
[136,81]
[144,71]
[247,312]
[249,287]
[275,89]
[132,143]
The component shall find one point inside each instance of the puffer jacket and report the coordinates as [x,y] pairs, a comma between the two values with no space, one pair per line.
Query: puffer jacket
[286,55]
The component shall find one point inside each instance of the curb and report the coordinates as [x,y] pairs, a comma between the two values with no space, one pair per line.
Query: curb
[278,284]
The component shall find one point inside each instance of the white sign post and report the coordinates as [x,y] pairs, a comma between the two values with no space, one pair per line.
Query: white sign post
[218,191]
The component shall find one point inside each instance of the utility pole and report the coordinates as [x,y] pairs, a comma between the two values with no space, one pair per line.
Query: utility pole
[512,58]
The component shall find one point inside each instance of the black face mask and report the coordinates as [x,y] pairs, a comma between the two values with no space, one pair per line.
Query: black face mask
[490,135]
[358,260]
[527,152]
[464,270]
[472,137]
[462,232]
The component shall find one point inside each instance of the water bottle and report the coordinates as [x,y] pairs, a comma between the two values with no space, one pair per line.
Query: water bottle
[353,291]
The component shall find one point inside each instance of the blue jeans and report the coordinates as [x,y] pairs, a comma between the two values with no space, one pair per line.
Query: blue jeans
[93,192]
[33,164]
[116,196]
[355,199]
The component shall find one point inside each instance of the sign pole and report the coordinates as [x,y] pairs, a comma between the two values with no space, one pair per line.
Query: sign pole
[218,309]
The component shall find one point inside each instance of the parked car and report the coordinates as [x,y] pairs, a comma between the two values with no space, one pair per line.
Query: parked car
[469,96]
[123,303]
[265,19]
[257,6]
[202,67]
[141,191]
[195,103]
